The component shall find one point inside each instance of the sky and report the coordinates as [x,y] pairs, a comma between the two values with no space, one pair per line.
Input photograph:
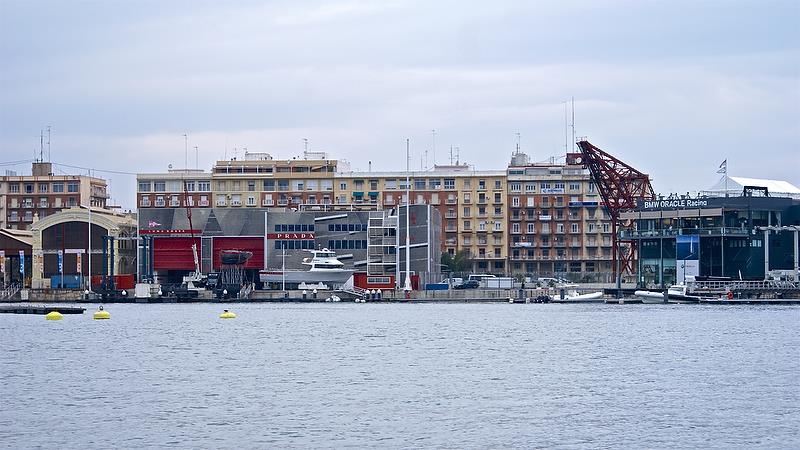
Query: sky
[671,87]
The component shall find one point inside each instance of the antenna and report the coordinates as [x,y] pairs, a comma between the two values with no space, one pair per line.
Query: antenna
[305,148]
[186,150]
[451,155]
[48,143]
[196,157]
[573,122]
[41,145]
[457,153]
[518,142]
[566,129]
[433,137]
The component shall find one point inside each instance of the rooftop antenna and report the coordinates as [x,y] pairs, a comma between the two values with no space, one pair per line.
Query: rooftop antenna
[518,142]
[186,150]
[573,122]
[196,158]
[451,155]
[566,129]
[41,145]
[433,138]
[305,148]
[457,153]
[426,160]
[48,143]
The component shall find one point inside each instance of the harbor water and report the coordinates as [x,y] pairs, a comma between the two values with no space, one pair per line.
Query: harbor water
[403,375]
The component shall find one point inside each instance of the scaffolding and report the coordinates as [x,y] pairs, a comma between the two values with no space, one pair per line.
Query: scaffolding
[382,243]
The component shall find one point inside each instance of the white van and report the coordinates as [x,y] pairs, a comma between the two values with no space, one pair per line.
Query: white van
[480,278]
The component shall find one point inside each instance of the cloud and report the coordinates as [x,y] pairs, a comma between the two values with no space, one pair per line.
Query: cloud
[672,88]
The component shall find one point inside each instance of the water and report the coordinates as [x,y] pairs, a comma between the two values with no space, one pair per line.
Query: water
[378,375]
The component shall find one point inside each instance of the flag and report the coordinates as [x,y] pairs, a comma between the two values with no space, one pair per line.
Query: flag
[723,168]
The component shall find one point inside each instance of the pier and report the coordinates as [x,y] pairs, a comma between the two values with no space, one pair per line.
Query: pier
[40,309]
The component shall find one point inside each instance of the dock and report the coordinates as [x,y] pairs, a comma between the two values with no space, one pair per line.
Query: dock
[41,310]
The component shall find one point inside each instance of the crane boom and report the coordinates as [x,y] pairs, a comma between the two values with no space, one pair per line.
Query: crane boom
[620,186]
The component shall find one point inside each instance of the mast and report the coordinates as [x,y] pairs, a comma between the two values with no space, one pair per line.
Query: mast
[407,286]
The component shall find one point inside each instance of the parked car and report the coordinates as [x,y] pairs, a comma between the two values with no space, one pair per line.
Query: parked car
[469,284]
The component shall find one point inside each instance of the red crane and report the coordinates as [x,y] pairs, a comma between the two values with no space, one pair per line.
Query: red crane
[620,186]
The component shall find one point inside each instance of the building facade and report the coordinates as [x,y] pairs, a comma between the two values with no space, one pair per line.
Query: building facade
[528,220]
[556,221]
[41,194]
[742,237]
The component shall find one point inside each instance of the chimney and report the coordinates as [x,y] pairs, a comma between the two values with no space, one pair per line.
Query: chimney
[42,169]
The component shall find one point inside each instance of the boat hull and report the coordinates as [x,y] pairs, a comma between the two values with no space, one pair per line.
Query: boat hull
[330,278]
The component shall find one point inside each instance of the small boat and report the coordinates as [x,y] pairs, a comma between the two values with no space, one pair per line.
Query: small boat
[568,293]
[675,294]
[233,257]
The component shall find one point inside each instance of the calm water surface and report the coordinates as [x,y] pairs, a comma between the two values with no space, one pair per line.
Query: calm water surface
[377,375]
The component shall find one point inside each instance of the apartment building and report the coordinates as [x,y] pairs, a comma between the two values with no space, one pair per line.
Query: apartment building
[557,224]
[177,188]
[25,198]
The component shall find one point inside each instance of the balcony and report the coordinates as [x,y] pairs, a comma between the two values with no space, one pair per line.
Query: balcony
[482,201]
[545,218]
[202,203]
[43,205]
[451,230]
[27,205]
[451,201]
[174,203]
[523,245]
[160,204]
[451,215]
[222,202]
[516,218]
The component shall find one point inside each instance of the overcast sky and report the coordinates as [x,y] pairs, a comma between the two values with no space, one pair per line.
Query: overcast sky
[672,87]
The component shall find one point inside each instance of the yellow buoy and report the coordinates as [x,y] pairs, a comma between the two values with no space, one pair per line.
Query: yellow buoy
[227,315]
[101,314]
[54,315]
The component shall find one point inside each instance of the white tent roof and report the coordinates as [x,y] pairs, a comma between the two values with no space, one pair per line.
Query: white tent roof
[738,183]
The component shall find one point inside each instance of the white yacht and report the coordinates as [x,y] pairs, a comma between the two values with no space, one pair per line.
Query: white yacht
[323,268]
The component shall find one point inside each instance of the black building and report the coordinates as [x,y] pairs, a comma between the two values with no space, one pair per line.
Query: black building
[680,237]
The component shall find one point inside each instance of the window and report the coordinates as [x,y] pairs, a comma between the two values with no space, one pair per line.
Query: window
[467,184]
[434,183]
[343,186]
[515,228]
[515,202]
[530,187]
[574,186]
[419,184]
[269,185]
[72,187]
[204,186]
[144,186]
[251,201]
[467,225]
[28,188]
[498,226]
[15,188]
[251,185]
[498,184]
[467,211]
[467,197]
[530,228]
[44,187]
[283,185]
[574,227]
[391,184]
[449,183]
[482,184]
[515,187]
[158,186]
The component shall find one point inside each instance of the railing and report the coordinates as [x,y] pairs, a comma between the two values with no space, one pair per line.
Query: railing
[9,292]
[715,231]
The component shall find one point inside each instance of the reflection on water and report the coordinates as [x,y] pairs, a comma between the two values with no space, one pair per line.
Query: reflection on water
[458,376]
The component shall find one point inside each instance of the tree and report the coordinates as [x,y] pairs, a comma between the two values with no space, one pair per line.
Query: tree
[460,262]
